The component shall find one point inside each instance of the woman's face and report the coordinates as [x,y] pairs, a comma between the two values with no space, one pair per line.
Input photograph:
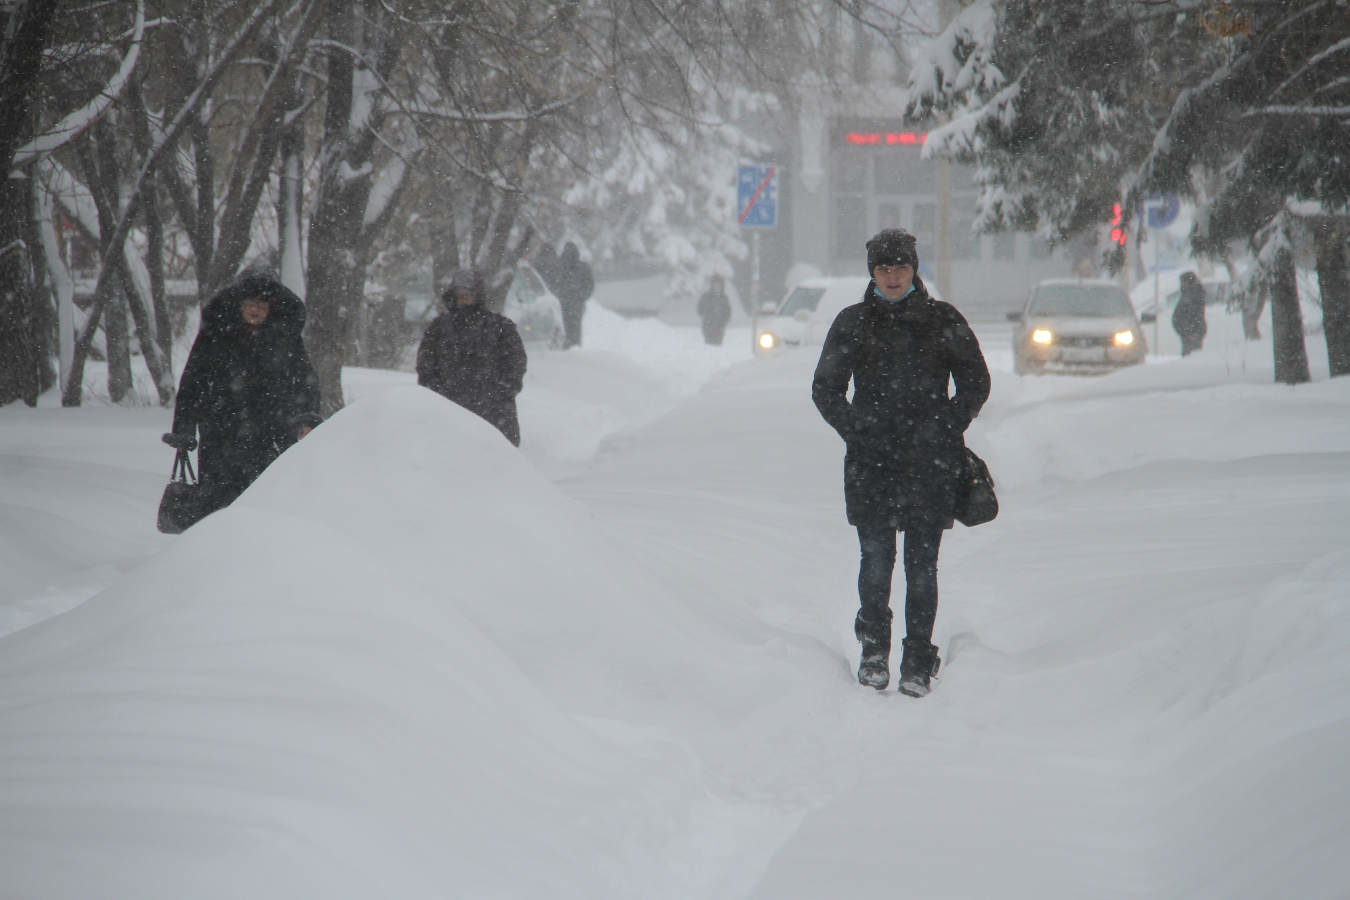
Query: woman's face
[893,281]
[255,310]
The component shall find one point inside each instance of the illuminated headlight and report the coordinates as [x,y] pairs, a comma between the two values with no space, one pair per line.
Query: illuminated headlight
[1124,338]
[767,341]
[1042,336]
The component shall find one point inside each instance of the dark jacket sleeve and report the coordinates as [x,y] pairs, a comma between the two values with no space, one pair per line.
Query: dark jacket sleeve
[428,357]
[512,360]
[304,400]
[969,371]
[187,408]
[829,386]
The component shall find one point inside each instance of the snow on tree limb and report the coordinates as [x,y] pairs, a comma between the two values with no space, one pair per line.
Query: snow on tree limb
[74,124]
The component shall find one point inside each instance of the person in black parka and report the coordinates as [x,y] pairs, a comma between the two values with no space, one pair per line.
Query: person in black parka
[1188,319]
[248,388]
[473,356]
[574,283]
[714,310]
[904,434]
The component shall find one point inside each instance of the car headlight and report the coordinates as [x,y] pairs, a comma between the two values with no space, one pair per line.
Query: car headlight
[1042,336]
[1124,338]
[767,340]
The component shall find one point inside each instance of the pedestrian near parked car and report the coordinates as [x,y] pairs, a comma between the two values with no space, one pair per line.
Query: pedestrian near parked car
[1188,319]
[714,310]
[905,445]
[574,283]
[248,390]
[473,356]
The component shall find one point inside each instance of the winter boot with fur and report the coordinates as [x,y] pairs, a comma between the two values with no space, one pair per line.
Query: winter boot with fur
[874,670]
[918,665]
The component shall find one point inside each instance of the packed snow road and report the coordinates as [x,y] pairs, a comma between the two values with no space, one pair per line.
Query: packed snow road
[619,663]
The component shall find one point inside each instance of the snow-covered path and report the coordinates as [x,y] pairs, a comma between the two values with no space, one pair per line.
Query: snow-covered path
[620,663]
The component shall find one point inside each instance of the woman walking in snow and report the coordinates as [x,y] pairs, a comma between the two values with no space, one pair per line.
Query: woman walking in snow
[904,434]
[248,388]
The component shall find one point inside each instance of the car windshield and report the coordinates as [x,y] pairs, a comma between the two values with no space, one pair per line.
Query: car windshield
[801,298]
[1088,300]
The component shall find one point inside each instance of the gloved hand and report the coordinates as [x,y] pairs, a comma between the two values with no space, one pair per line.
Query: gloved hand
[179,441]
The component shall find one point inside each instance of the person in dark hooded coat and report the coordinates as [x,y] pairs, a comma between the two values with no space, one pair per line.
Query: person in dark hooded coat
[248,388]
[714,311]
[1188,319]
[905,447]
[473,356]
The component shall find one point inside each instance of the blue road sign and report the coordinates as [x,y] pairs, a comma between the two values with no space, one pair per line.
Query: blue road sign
[1161,210]
[757,196]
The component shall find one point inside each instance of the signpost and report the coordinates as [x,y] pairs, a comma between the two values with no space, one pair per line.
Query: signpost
[1160,211]
[756,208]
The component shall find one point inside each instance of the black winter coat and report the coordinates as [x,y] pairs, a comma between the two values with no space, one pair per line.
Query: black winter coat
[475,358]
[246,391]
[1188,319]
[904,433]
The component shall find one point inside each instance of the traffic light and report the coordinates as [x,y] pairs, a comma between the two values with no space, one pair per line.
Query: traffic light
[1117,229]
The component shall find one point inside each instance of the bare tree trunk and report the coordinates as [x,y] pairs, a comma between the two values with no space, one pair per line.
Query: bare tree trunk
[21,48]
[1286,323]
[154,227]
[18,344]
[1333,280]
[335,274]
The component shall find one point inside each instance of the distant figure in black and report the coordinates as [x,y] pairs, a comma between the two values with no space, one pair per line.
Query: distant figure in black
[1188,319]
[714,310]
[474,356]
[546,264]
[906,450]
[248,388]
[573,283]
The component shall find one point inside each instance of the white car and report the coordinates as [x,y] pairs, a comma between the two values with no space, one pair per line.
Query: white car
[1077,325]
[804,316]
[534,308]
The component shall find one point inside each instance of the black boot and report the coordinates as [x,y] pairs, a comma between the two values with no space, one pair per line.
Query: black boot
[874,670]
[919,663]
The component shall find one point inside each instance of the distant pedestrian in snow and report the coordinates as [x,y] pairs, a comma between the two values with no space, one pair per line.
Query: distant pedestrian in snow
[573,283]
[714,310]
[473,356]
[1188,319]
[905,445]
[248,388]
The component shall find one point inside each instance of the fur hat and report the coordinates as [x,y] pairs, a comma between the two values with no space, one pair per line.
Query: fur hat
[892,247]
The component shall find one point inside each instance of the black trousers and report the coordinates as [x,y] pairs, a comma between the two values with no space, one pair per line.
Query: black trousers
[877,547]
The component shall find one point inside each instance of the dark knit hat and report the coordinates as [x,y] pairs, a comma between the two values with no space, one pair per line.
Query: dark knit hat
[892,247]
[463,280]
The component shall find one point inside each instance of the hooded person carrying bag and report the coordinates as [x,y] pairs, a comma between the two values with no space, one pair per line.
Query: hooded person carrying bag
[180,505]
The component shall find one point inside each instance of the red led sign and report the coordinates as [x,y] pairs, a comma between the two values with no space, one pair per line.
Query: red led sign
[889,138]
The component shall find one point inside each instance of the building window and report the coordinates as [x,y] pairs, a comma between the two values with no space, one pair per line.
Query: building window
[888,215]
[965,242]
[924,229]
[904,172]
[850,171]
[850,227]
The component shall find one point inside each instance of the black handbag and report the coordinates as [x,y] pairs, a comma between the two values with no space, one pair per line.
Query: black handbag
[180,505]
[976,502]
